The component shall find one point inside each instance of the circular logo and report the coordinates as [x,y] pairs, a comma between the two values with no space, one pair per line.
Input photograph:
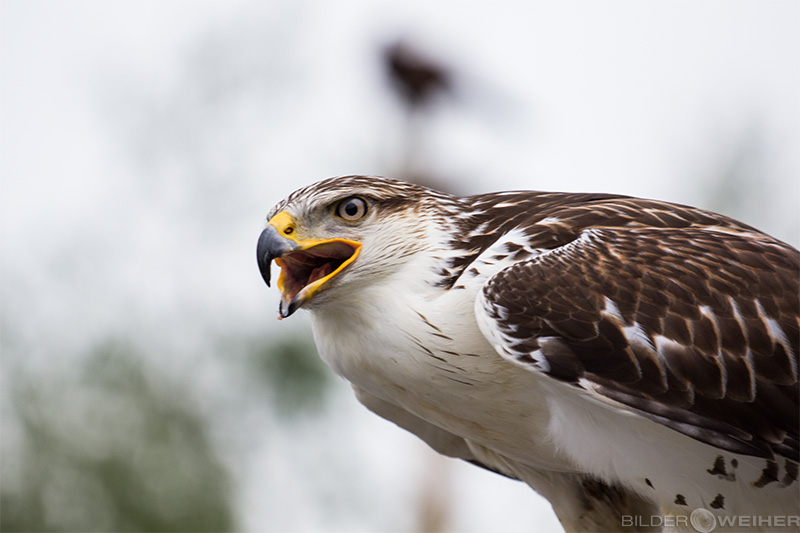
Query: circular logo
[703,520]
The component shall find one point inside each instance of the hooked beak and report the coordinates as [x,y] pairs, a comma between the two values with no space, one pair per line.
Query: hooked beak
[306,264]
[271,246]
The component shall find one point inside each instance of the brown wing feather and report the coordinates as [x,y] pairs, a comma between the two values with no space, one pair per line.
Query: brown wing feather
[694,326]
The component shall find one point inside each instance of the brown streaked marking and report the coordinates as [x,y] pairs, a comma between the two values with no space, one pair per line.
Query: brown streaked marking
[720,471]
[768,475]
[649,483]
[428,322]
[680,499]
[428,351]
[791,473]
[459,381]
[453,370]
[520,255]
[718,503]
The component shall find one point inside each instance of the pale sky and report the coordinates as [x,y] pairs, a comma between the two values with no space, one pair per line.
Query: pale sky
[142,143]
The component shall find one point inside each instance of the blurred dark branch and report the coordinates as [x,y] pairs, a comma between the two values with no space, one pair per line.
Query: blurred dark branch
[419,83]
[417,79]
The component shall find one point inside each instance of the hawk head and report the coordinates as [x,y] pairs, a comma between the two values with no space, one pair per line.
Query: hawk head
[345,231]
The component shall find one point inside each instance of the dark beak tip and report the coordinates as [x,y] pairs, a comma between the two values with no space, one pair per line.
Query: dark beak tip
[264,266]
[286,310]
[265,253]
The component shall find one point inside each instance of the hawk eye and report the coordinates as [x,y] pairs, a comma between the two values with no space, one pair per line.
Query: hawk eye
[352,209]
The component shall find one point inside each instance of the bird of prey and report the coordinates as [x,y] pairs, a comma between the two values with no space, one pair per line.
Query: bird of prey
[633,361]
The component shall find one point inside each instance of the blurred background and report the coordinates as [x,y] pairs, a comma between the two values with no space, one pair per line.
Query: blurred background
[145,383]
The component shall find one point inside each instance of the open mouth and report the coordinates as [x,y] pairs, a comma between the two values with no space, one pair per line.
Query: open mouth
[304,271]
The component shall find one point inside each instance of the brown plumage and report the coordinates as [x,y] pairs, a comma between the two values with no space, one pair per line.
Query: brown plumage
[721,297]
[620,355]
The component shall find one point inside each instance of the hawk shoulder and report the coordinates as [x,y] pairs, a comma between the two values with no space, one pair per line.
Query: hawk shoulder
[684,317]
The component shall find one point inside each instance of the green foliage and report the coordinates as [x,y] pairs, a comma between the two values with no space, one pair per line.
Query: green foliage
[111,449]
[293,372]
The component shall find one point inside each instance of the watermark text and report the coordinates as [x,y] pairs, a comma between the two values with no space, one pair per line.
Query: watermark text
[704,521]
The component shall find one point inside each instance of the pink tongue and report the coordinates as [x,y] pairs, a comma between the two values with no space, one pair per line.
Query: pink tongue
[319,273]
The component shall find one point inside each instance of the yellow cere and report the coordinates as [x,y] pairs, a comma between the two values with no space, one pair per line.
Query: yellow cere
[284,223]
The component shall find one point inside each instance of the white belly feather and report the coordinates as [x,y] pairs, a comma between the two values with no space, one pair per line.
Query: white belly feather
[451,378]
[516,420]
